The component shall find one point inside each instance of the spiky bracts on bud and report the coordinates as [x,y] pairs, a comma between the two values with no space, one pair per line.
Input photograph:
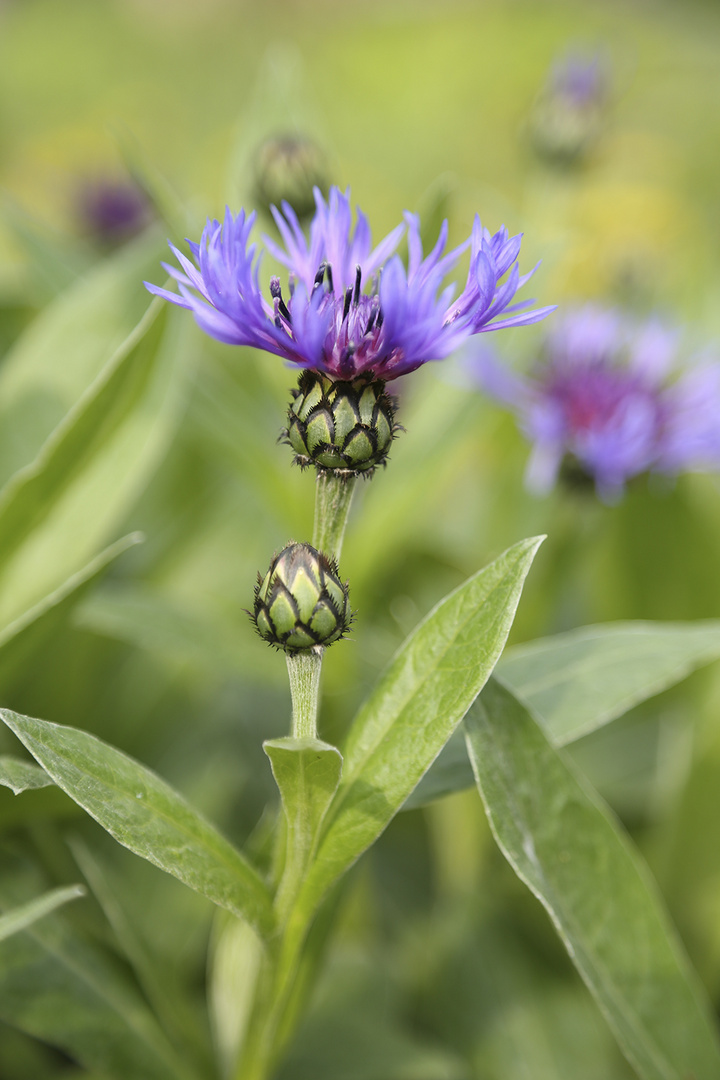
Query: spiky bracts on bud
[301,602]
[344,427]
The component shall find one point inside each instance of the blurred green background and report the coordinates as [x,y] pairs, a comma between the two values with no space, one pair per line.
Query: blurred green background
[444,966]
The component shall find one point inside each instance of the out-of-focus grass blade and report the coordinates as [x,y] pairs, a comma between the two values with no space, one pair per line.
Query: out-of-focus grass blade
[57,512]
[21,640]
[66,347]
[58,987]
[562,842]
[177,217]
[12,922]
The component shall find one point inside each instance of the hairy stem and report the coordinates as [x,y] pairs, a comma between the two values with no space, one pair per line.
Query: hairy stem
[333,497]
[304,673]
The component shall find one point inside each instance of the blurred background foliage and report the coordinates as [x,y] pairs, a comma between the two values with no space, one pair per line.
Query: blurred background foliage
[444,966]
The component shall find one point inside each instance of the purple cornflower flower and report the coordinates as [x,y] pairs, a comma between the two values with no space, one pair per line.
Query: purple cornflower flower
[567,116]
[607,397]
[579,78]
[350,309]
[112,210]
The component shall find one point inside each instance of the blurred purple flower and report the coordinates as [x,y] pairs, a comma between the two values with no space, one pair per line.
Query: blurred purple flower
[111,211]
[608,397]
[568,113]
[350,309]
[579,78]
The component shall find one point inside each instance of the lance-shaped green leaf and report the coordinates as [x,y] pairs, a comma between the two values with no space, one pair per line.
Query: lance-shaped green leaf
[66,347]
[22,639]
[307,773]
[57,512]
[11,922]
[419,701]
[563,843]
[19,775]
[146,815]
[578,681]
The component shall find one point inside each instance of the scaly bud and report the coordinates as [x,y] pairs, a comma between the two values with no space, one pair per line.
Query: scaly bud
[287,168]
[346,427]
[301,602]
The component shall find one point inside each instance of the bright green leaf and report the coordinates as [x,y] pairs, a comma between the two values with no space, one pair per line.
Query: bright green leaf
[562,842]
[419,700]
[307,773]
[578,681]
[144,814]
[11,922]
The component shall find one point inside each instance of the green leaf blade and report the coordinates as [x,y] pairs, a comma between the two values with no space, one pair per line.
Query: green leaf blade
[562,842]
[307,773]
[12,922]
[19,775]
[581,680]
[61,988]
[421,698]
[146,815]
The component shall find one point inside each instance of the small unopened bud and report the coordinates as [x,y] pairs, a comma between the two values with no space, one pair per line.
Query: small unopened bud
[287,168]
[346,427]
[301,602]
[569,113]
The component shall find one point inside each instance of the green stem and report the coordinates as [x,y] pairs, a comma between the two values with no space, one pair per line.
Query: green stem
[304,672]
[333,496]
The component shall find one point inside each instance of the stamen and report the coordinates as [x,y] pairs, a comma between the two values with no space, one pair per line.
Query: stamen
[358,279]
[348,300]
[380,318]
[375,308]
[328,271]
[320,274]
[276,293]
[347,356]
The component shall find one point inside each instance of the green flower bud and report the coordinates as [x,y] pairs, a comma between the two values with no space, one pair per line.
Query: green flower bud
[347,427]
[301,602]
[288,167]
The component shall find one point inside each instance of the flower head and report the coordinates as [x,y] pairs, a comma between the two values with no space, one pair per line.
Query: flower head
[567,117]
[579,78]
[110,211]
[607,396]
[350,309]
[301,603]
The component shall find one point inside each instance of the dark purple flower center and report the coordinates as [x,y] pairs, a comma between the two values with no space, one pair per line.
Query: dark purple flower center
[354,318]
[591,398]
